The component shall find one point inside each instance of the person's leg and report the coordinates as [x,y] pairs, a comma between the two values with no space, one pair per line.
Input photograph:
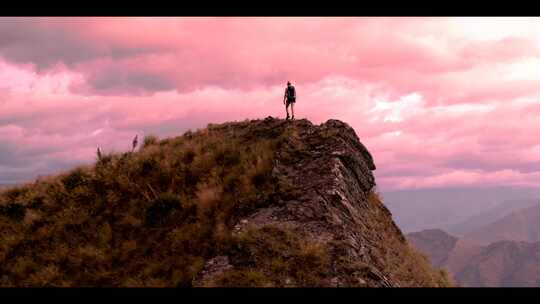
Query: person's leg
[287,109]
[292,110]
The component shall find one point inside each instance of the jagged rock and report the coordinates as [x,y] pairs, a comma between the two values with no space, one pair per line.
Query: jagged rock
[330,172]
[214,267]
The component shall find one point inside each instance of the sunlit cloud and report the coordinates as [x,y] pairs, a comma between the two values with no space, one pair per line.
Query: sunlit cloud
[438,101]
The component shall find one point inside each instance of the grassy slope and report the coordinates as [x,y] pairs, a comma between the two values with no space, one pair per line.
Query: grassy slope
[153,217]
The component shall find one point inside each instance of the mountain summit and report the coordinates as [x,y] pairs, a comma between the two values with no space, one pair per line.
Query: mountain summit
[255,203]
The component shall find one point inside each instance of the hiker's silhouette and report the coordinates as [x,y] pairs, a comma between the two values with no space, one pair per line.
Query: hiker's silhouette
[289,99]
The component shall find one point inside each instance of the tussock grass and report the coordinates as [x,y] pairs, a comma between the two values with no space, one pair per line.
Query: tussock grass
[272,256]
[149,218]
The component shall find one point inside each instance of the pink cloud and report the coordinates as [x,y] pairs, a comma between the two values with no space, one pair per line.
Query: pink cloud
[438,101]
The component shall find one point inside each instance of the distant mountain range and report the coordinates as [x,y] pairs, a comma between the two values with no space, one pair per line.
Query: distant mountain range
[456,210]
[505,252]
[505,264]
[436,243]
[477,221]
[519,225]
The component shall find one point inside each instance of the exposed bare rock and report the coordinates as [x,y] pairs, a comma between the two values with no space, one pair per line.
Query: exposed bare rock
[326,194]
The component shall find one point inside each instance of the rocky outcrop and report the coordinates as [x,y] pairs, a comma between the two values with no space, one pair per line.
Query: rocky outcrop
[327,194]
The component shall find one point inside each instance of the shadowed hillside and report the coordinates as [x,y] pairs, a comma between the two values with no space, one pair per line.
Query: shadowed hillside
[499,264]
[504,264]
[434,242]
[255,203]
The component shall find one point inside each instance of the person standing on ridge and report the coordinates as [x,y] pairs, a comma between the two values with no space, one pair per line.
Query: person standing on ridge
[289,98]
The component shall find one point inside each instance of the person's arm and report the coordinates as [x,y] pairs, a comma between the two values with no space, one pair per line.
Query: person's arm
[285,96]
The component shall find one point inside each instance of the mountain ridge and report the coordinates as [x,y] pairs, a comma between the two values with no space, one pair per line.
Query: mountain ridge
[255,203]
[452,209]
[518,225]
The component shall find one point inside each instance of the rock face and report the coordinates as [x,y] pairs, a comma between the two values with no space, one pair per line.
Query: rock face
[331,201]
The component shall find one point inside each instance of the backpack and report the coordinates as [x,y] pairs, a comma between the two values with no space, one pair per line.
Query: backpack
[291,92]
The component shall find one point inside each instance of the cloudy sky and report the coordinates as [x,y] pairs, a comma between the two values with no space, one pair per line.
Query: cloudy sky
[438,101]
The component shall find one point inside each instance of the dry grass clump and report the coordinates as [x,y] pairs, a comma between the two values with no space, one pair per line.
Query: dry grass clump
[275,257]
